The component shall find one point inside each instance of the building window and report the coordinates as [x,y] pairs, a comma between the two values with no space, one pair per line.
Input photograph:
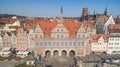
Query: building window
[83,36]
[79,36]
[57,43]
[36,43]
[36,36]
[89,41]
[62,30]
[82,43]
[40,36]
[62,43]
[78,43]
[57,35]
[62,36]
[74,43]
[65,43]
[49,43]
[53,43]
[70,43]
[41,44]
[57,30]
[45,43]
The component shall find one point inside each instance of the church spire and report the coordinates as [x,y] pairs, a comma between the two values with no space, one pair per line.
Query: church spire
[105,12]
[61,13]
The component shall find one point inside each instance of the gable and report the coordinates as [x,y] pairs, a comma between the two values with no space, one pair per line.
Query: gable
[110,21]
[60,28]
[38,29]
[82,28]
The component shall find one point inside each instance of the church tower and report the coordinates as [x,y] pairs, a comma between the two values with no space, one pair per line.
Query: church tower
[105,12]
[61,14]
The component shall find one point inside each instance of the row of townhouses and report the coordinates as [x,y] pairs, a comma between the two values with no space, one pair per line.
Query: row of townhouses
[52,36]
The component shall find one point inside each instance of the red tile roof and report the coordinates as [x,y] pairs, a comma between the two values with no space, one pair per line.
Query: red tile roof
[70,24]
[95,37]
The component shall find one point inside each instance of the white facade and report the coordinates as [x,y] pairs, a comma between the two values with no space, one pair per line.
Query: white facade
[31,41]
[110,21]
[99,46]
[114,45]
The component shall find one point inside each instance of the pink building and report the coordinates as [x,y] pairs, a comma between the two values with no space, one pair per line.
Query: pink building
[22,40]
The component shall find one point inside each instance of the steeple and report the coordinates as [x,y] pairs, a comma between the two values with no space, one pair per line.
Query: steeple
[94,13]
[105,12]
[61,13]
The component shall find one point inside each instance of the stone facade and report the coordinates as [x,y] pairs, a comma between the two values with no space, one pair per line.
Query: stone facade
[61,40]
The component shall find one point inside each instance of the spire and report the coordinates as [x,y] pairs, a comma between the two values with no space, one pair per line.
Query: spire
[34,24]
[94,13]
[105,12]
[61,9]
[61,13]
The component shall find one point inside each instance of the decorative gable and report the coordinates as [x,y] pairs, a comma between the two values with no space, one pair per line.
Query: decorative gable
[110,20]
[60,31]
[38,29]
[60,28]
[82,28]
[100,40]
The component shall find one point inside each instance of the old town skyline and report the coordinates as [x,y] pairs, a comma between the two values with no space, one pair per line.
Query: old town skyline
[50,8]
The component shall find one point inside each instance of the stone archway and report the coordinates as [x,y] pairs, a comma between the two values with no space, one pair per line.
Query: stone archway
[55,53]
[47,53]
[64,53]
[72,53]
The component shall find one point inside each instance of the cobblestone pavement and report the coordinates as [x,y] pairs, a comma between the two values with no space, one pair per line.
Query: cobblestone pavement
[56,62]
[7,63]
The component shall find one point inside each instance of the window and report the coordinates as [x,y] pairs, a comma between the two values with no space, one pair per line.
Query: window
[62,30]
[83,36]
[65,43]
[53,43]
[62,43]
[79,36]
[74,43]
[89,41]
[78,43]
[49,43]
[36,43]
[40,43]
[57,35]
[62,36]
[57,30]
[40,36]
[36,36]
[70,43]
[45,43]
[57,43]
[82,43]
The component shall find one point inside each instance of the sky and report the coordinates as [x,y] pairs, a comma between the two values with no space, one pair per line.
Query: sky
[51,8]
